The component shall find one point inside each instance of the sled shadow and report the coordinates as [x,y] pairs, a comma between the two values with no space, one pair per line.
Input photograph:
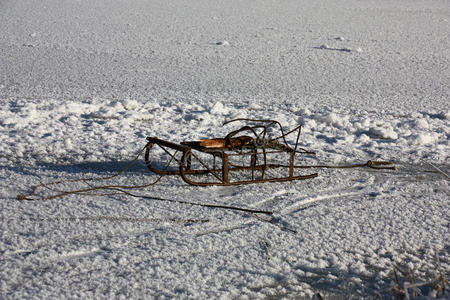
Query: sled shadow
[97,167]
[109,168]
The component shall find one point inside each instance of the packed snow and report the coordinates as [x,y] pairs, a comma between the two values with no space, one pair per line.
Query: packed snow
[83,83]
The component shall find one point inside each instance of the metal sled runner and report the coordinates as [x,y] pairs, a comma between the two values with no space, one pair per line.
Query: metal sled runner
[246,155]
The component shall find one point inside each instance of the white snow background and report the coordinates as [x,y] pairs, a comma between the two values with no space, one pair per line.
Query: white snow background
[82,83]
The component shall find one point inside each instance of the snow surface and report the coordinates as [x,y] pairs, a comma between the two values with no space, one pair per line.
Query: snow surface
[82,83]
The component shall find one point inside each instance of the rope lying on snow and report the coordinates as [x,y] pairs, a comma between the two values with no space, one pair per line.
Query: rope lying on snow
[198,204]
[86,180]
[121,189]
[439,170]
[373,164]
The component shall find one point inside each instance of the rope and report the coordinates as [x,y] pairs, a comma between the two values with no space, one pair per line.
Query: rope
[439,170]
[64,193]
[120,189]
[196,204]
[379,165]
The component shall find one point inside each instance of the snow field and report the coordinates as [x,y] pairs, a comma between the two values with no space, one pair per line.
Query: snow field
[354,234]
[104,125]
[82,83]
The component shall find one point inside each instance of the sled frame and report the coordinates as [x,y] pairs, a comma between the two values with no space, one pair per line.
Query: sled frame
[233,145]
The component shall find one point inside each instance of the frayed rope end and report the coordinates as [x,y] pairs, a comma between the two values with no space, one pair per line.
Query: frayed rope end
[22,197]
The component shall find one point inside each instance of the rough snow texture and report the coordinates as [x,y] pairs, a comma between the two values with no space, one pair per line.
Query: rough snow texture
[82,83]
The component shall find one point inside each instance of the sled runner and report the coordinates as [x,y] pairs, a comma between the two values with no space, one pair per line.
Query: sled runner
[247,155]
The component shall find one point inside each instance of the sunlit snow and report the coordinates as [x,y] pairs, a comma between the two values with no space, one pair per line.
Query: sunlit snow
[83,83]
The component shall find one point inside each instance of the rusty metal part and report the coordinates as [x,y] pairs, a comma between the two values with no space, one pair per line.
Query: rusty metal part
[235,159]
[244,156]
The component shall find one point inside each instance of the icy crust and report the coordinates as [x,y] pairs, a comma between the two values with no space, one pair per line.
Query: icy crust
[102,129]
[82,83]
[340,234]
[352,229]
